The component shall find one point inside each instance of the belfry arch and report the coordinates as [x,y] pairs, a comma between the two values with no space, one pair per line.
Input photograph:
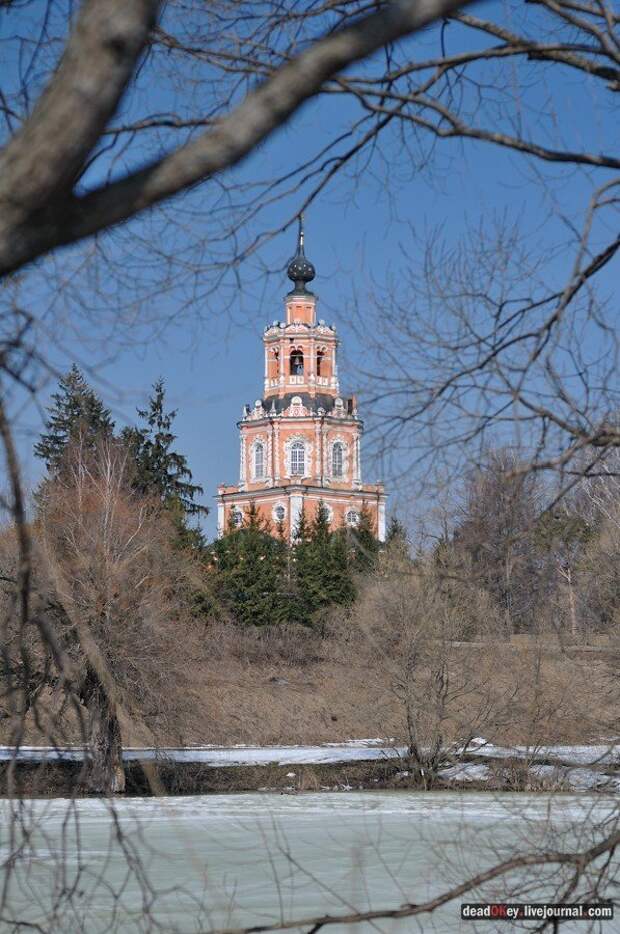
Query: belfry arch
[296,361]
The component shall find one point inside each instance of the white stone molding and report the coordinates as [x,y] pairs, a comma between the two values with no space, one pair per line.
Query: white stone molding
[258,410]
[242,463]
[352,517]
[296,408]
[297,504]
[274,512]
[265,442]
[308,449]
[317,447]
[346,458]
[381,522]
[276,454]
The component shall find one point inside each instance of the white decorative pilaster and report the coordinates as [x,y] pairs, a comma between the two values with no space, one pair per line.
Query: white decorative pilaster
[297,504]
[242,470]
[381,522]
[220,520]
[357,462]
[317,448]
[276,455]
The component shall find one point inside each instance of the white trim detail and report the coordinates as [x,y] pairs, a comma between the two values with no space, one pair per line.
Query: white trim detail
[346,458]
[264,443]
[297,504]
[274,511]
[308,449]
[381,522]
[242,463]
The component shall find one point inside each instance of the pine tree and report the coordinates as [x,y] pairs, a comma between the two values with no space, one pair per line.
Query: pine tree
[251,572]
[160,470]
[77,413]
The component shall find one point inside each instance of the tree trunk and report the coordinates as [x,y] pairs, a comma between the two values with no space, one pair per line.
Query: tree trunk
[104,770]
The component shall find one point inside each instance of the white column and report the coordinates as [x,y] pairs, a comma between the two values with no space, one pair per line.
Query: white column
[282,363]
[220,520]
[317,450]
[242,471]
[296,505]
[381,522]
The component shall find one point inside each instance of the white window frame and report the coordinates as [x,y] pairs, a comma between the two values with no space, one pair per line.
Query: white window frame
[258,447]
[274,513]
[329,457]
[338,446]
[298,448]
[288,456]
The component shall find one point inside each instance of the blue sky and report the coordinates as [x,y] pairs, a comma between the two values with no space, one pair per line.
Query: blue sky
[210,350]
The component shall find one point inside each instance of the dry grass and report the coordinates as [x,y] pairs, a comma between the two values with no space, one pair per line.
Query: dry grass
[289,685]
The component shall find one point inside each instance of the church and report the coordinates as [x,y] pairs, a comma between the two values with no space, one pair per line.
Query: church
[301,443]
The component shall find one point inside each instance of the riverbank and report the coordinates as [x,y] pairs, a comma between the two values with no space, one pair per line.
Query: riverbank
[356,765]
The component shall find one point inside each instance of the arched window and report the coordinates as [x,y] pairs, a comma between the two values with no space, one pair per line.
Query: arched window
[352,518]
[236,517]
[320,356]
[279,513]
[298,459]
[297,363]
[259,462]
[337,460]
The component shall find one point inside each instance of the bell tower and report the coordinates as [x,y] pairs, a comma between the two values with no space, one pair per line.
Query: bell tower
[301,443]
[300,353]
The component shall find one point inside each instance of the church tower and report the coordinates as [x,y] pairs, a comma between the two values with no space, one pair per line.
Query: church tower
[301,443]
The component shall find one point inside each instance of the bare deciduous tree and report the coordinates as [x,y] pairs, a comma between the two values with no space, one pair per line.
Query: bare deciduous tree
[121,591]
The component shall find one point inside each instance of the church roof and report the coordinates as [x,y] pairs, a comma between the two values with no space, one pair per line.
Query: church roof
[313,403]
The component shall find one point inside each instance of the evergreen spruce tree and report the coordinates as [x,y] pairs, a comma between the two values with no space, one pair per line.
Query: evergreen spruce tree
[365,543]
[322,569]
[160,470]
[396,531]
[77,413]
[341,568]
[397,538]
[251,572]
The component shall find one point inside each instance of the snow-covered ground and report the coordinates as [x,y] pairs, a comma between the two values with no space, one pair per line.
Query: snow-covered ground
[326,754]
[578,767]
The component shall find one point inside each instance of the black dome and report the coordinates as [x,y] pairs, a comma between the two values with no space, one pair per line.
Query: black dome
[300,270]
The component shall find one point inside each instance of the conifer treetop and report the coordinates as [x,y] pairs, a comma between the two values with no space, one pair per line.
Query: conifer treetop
[76,412]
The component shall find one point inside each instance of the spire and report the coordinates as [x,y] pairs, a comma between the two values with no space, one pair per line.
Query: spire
[300,270]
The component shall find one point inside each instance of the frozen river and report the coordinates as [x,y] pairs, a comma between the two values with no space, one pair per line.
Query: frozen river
[201,863]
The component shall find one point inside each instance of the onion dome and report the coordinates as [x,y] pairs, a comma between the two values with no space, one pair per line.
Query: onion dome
[300,270]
